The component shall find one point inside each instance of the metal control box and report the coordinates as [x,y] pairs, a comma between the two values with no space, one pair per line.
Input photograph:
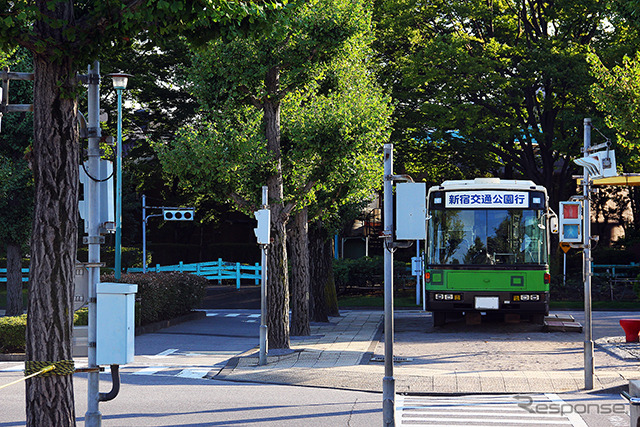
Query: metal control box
[115,331]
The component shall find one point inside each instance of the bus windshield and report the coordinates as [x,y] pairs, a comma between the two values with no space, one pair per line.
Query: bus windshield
[487,237]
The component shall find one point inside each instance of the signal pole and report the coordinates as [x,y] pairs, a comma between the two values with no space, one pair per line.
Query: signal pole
[586,262]
[388,382]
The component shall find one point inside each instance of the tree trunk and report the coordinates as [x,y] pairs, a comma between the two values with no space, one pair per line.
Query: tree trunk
[14,280]
[49,399]
[299,245]
[324,301]
[278,280]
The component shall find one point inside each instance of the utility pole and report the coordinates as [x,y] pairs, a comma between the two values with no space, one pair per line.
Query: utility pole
[264,346]
[388,382]
[586,263]
[93,416]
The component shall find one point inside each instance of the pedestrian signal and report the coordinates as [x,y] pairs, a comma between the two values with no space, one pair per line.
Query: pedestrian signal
[571,222]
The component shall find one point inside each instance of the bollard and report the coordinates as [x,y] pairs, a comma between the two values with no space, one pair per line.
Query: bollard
[634,402]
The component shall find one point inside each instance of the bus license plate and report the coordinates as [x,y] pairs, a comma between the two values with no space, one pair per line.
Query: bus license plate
[487,303]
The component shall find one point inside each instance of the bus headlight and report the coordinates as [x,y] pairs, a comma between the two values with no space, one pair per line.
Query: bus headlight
[526,297]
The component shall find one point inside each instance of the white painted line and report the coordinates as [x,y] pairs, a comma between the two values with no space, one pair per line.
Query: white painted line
[493,421]
[251,321]
[150,370]
[193,373]
[165,353]
[254,315]
[232,315]
[212,314]
[576,420]
[16,368]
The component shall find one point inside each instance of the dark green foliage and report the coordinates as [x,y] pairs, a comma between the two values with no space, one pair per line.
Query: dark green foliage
[130,257]
[163,296]
[366,272]
[12,333]
[81,317]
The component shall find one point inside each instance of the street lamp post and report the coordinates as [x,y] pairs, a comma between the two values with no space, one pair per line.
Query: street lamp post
[119,84]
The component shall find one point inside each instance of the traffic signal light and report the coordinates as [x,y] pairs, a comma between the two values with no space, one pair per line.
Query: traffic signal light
[571,222]
[178,214]
[599,165]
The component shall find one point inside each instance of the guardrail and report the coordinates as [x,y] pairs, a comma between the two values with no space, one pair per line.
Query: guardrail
[213,270]
[3,274]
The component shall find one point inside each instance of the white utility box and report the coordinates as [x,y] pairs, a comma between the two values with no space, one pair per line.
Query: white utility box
[115,323]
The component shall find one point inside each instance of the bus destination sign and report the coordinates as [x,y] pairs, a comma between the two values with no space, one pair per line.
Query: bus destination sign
[487,199]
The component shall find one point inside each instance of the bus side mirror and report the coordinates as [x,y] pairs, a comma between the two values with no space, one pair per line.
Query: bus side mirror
[553,223]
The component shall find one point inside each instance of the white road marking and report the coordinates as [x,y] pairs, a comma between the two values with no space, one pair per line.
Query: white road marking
[576,420]
[16,368]
[165,353]
[479,411]
[193,373]
[150,370]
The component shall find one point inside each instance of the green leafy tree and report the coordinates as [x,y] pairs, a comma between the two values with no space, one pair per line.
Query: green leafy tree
[337,126]
[64,36]
[242,85]
[504,81]
[16,187]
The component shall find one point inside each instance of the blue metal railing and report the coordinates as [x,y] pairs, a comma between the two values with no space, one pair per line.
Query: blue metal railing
[3,274]
[213,270]
[610,269]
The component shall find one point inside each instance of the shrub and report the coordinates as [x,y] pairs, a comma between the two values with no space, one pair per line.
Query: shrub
[14,329]
[81,317]
[162,296]
[366,272]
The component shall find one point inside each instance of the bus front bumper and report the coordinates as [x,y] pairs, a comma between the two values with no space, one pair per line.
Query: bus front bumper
[515,302]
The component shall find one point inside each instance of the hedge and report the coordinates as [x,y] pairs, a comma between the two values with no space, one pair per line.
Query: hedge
[12,333]
[161,296]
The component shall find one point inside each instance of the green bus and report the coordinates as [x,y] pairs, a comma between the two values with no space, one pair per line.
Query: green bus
[487,248]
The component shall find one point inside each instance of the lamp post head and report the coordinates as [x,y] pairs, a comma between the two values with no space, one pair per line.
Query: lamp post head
[119,80]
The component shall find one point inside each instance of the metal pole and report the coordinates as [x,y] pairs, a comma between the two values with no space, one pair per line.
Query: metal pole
[264,349]
[418,280]
[388,382]
[144,234]
[119,190]
[93,417]
[586,257]
[564,269]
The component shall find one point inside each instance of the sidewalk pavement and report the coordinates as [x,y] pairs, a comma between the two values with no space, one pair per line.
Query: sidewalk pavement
[342,354]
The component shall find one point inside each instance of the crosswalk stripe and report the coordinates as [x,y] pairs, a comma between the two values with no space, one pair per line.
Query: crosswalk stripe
[149,370]
[163,354]
[232,315]
[193,373]
[576,420]
[16,368]
[427,411]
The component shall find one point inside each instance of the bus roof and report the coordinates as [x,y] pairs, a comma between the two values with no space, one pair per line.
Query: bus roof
[488,184]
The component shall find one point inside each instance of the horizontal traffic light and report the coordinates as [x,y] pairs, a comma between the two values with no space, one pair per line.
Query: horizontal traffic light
[178,214]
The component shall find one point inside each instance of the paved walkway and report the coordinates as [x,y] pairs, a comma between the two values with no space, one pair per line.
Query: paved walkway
[347,354]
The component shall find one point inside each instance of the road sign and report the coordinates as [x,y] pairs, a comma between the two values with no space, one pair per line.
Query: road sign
[565,246]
